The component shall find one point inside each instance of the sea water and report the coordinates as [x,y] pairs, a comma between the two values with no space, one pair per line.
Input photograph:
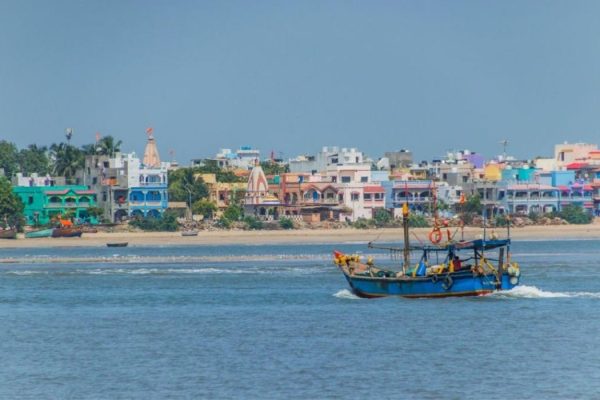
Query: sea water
[278,322]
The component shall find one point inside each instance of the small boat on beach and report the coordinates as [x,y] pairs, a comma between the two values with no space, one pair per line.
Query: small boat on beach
[68,231]
[41,233]
[117,244]
[191,232]
[9,233]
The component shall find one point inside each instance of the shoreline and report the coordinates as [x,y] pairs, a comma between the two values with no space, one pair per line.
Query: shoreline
[305,236]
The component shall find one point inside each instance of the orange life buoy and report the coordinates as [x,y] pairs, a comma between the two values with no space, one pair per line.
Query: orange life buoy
[435,236]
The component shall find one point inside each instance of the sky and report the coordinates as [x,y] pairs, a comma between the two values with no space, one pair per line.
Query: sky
[293,76]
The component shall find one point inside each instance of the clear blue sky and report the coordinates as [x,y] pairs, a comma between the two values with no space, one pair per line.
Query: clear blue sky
[293,76]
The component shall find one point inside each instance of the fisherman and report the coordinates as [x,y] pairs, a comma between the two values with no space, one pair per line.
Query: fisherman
[457,263]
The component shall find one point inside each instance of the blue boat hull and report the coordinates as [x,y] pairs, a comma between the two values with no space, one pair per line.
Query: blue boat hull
[454,284]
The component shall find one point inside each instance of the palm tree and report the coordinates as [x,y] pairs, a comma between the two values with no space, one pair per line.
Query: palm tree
[108,146]
[66,160]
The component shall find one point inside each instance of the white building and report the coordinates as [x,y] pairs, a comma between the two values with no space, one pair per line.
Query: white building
[328,156]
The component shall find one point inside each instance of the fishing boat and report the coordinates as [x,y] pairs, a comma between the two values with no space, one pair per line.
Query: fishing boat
[191,232]
[41,233]
[117,244]
[9,233]
[454,268]
[67,231]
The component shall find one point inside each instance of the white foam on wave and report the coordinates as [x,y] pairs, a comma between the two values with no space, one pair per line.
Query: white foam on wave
[532,292]
[26,273]
[171,271]
[346,294]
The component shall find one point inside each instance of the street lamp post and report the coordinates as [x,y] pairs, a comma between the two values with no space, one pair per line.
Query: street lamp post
[189,190]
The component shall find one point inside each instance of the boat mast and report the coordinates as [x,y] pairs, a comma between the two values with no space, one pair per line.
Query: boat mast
[406,237]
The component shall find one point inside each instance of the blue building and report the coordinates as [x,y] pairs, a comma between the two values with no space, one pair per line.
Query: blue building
[148,183]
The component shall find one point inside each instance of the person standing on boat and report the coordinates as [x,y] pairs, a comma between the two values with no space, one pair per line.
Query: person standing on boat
[457,263]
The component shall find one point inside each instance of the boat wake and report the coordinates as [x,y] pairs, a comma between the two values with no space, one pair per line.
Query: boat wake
[532,292]
[346,294]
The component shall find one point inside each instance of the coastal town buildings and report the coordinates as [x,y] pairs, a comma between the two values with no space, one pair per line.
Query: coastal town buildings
[127,186]
[148,183]
[45,204]
[243,158]
[328,156]
[223,194]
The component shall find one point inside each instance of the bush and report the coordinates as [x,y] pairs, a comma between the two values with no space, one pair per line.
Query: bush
[363,223]
[501,220]
[205,207]
[224,223]
[575,214]
[417,221]
[253,223]
[166,223]
[382,218]
[286,223]
[533,216]
[233,213]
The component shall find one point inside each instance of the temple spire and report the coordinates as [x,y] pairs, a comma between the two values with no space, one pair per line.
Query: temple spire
[151,157]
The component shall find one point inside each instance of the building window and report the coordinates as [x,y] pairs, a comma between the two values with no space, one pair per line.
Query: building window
[30,200]
[345,179]
[334,179]
[94,180]
[354,197]
[364,179]
[367,196]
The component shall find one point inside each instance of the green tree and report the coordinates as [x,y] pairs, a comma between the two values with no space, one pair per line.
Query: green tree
[108,146]
[11,207]
[34,159]
[183,185]
[473,204]
[166,223]
[66,160]
[222,175]
[574,214]
[382,217]
[205,207]
[233,213]
[273,168]
[8,158]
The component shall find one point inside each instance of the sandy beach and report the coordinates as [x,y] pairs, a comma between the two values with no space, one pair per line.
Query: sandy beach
[295,236]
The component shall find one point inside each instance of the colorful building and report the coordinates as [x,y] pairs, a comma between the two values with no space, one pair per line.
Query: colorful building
[44,204]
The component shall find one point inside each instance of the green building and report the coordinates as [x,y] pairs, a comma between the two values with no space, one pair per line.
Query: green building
[44,203]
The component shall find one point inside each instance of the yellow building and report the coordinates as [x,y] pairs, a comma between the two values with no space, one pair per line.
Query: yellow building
[492,172]
[223,194]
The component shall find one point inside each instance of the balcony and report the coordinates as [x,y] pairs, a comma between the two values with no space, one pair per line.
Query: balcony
[412,200]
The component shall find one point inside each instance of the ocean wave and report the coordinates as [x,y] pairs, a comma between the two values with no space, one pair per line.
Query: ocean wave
[171,271]
[532,292]
[346,294]
[173,259]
